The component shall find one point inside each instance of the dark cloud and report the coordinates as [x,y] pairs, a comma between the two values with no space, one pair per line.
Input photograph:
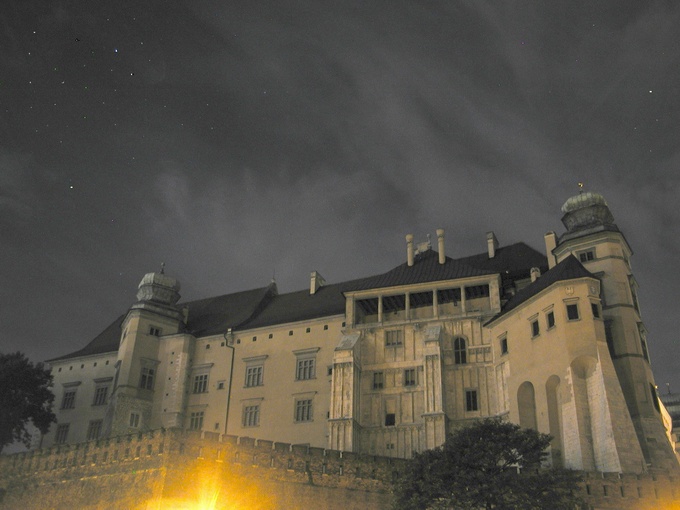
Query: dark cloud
[236,141]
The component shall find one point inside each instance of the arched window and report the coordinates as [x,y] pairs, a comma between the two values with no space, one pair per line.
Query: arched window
[459,351]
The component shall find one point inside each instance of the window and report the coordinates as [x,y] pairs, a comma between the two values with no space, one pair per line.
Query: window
[471,403]
[459,351]
[201,383]
[596,310]
[306,369]
[394,337]
[94,430]
[390,420]
[535,329]
[550,319]
[609,336]
[146,378]
[572,312]
[220,385]
[655,397]
[586,256]
[68,401]
[62,433]
[254,376]
[196,420]
[504,345]
[378,380]
[154,331]
[100,394]
[410,377]
[643,342]
[303,410]
[134,420]
[251,416]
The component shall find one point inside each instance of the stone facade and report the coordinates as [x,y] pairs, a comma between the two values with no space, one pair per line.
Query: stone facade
[389,365]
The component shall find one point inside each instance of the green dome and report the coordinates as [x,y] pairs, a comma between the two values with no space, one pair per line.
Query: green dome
[582,200]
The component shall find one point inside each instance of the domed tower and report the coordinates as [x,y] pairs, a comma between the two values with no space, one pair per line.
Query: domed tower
[595,240]
[152,317]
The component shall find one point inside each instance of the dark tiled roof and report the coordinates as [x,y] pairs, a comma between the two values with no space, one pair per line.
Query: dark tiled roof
[206,317]
[215,315]
[569,269]
[263,307]
[512,262]
[106,341]
[425,268]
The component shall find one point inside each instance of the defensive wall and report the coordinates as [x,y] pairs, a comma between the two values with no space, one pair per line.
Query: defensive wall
[176,469]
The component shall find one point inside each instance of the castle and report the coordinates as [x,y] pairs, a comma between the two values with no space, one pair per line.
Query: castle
[388,365]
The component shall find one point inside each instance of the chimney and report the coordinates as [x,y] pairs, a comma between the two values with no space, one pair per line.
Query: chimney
[316,282]
[550,245]
[409,249]
[492,244]
[535,273]
[440,245]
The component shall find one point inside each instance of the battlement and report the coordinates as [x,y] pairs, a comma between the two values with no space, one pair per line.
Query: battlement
[121,471]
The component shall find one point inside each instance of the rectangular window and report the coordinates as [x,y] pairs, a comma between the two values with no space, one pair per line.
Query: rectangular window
[134,420]
[378,380]
[390,420]
[471,403]
[535,329]
[609,336]
[410,377]
[306,369]
[201,383]
[586,256]
[504,345]
[303,410]
[154,331]
[94,430]
[394,337]
[572,312]
[196,420]
[596,310]
[100,394]
[251,416]
[550,319]
[254,376]
[69,400]
[62,433]
[146,378]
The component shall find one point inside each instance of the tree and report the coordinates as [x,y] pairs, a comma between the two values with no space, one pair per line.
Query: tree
[477,467]
[24,396]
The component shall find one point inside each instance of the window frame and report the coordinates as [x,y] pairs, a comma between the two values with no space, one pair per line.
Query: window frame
[135,420]
[61,434]
[200,384]
[378,380]
[471,400]
[101,395]
[535,328]
[569,308]
[304,410]
[254,376]
[460,350]
[251,415]
[196,419]
[394,337]
[94,430]
[410,377]
[68,399]
[305,368]
[147,377]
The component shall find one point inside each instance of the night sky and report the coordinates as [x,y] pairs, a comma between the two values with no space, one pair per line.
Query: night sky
[236,141]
